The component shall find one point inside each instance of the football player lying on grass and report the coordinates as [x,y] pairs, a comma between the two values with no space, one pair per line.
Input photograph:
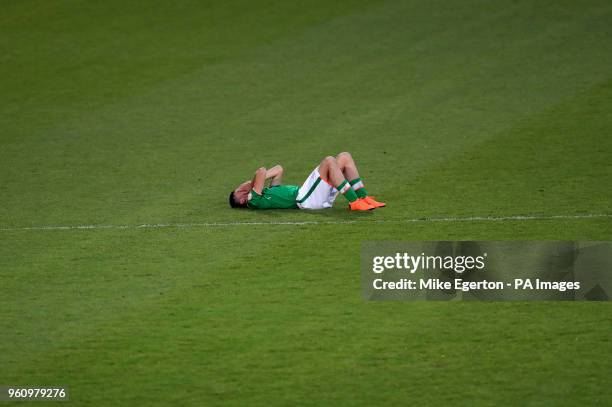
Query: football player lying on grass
[319,191]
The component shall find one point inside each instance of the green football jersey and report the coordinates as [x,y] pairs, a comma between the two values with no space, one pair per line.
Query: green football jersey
[277,197]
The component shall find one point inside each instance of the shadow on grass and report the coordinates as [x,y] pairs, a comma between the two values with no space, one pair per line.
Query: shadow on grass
[339,212]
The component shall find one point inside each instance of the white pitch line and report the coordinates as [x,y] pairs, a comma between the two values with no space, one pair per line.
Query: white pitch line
[298,223]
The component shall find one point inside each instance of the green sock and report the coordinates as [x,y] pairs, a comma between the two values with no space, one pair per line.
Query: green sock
[357,186]
[346,190]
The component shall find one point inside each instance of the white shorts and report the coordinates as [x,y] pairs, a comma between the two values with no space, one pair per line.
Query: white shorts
[316,193]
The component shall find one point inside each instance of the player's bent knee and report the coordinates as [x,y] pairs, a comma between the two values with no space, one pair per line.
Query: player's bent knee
[345,156]
[329,160]
[326,165]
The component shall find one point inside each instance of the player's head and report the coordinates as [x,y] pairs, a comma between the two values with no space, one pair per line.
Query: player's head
[236,201]
[238,197]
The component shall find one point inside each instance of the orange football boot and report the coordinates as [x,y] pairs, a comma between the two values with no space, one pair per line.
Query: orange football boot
[372,202]
[360,205]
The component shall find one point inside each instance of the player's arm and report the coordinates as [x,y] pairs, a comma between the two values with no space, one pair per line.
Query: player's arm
[275,175]
[259,179]
[262,174]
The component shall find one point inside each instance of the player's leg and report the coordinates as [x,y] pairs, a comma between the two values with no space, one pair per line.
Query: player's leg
[331,171]
[349,169]
[347,165]
[316,192]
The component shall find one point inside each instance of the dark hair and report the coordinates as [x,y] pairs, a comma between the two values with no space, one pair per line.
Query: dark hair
[233,202]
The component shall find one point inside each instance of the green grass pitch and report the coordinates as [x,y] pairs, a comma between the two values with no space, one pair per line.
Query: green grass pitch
[130,113]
